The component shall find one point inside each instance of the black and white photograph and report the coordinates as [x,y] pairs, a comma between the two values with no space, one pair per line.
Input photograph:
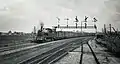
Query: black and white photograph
[59,31]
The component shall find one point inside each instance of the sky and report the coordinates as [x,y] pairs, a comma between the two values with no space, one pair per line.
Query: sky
[23,15]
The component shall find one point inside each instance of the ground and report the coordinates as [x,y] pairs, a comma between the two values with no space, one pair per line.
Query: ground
[102,55]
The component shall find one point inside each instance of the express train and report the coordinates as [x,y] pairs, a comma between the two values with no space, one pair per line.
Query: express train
[48,34]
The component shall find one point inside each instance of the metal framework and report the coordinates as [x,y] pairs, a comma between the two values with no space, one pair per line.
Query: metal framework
[77,27]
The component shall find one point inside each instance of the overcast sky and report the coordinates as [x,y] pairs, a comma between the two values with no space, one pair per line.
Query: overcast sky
[22,15]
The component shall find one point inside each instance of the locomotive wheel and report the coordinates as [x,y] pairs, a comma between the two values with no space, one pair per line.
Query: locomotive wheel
[44,39]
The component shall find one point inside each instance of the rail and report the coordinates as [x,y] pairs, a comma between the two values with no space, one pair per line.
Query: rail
[82,50]
[49,56]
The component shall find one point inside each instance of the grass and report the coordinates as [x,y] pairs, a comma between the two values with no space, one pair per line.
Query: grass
[112,43]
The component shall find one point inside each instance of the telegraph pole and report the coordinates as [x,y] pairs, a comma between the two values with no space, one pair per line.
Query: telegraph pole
[81,26]
[110,28]
[34,30]
[58,21]
[104,28]
[67,21]
[85,21]
[76,20]
[95,20]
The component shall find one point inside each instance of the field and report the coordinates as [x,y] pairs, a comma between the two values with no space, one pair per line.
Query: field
[8,40]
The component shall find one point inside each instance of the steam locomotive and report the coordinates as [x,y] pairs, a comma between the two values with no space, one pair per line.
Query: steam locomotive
[45,34]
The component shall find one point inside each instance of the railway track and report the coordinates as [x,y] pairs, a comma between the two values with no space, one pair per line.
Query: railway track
[82,53]
[51,56]
[37,53]
[46,53]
